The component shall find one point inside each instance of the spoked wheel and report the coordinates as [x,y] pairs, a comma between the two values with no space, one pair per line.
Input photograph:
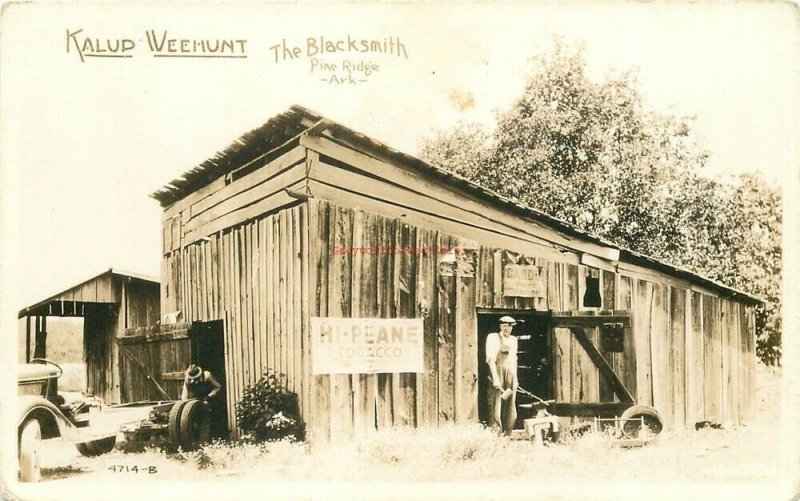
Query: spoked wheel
[30,440]
[638,414]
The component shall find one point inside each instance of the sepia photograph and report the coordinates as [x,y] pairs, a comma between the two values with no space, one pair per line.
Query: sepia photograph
[399,250]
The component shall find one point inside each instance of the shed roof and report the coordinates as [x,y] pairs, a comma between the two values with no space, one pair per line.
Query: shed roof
[97,289]
[287,126]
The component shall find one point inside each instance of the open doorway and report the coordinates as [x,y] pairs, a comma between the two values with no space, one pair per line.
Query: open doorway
[208,351]
[534,357]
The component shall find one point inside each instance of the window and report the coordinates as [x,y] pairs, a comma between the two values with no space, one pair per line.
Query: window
[591,295]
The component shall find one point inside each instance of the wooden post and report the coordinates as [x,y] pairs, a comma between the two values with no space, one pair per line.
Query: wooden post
[36,329]
[44,336]
[27,338]
[120,324]
[40,350]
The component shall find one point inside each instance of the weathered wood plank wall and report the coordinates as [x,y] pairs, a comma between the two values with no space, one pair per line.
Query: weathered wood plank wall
[240,252]
[252,277]
[353,250]
[99,333]
[262,269]
[158,357]
[140,303]
[159,349]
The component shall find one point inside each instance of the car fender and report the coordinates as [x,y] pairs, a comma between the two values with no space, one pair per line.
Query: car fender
[52,421]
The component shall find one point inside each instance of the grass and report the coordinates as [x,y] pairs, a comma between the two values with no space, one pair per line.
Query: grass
[472,453]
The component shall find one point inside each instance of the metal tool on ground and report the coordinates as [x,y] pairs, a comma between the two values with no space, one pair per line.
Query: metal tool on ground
[543,426]
[638,424]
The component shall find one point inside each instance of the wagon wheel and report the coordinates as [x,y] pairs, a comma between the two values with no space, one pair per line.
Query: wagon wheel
[30,439]
[174,423]
[638,413]
[195,426]
[96,447]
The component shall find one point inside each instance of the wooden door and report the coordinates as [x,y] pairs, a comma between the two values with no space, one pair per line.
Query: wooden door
[581,343]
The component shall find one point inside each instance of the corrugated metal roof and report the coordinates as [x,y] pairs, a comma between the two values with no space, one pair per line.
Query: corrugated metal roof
[297,120]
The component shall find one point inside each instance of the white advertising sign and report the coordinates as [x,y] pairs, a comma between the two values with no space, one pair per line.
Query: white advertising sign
[366,345]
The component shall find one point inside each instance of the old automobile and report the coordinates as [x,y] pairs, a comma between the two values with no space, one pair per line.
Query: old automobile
[44,413]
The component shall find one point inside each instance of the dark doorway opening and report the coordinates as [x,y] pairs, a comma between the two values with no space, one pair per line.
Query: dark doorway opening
[208,351]
[534,358]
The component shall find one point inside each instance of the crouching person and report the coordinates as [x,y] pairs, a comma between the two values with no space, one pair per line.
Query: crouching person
[201,384]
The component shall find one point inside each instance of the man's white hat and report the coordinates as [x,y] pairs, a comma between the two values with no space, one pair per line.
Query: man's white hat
[508,320]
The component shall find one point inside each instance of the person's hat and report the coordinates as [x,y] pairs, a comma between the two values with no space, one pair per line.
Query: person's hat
[194,372]
[508,320]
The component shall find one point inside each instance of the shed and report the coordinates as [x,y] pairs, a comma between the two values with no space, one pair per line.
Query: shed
[109,303]
[305,219]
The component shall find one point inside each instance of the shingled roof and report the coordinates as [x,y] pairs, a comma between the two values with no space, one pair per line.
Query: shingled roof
[288,126]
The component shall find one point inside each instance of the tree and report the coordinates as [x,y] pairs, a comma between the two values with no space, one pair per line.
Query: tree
[591,154]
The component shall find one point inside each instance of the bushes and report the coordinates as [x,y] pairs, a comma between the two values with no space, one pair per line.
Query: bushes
[268,411]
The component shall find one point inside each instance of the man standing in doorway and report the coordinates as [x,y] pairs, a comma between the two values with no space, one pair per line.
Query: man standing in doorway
[501,355]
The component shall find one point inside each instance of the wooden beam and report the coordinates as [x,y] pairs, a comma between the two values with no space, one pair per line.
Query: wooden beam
[605,370]
[596,262]
[343,196]
[278,200]
[651,275]
[433,186]
[173,376]
[245,198]
[604,409]
[591,321]
[165,336]
[405,196]
[40,350]
[249,182]
[176,207]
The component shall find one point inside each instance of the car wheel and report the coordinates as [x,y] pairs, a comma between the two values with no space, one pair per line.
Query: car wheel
[30,439]
[195,425]
[653,424]
[97,447]
[174,423]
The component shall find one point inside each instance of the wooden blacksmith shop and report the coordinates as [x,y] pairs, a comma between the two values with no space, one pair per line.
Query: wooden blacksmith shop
[371,279]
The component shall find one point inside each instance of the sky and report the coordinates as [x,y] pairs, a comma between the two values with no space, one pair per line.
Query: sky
[83,143]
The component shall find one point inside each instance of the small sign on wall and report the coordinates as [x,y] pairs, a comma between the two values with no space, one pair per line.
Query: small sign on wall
[366,345]
[523,280]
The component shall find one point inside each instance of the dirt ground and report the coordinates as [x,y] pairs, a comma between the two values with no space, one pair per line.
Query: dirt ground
[742,460]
